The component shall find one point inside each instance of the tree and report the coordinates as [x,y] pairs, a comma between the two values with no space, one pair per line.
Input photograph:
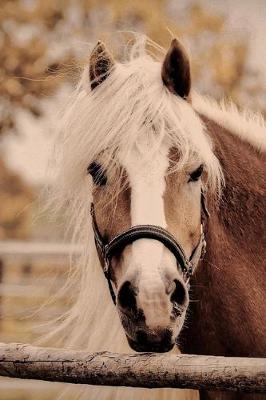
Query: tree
[39,42]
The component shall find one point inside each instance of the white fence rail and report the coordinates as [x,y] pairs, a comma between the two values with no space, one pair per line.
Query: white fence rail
[23,285]
[31,250]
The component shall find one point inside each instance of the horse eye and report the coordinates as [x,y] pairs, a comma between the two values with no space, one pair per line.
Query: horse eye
[195,175]
[98,174]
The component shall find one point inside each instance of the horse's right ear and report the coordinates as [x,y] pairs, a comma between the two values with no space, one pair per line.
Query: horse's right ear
[176,70]
[101,63]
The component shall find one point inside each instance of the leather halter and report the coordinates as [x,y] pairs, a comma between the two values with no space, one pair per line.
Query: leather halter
[106,250]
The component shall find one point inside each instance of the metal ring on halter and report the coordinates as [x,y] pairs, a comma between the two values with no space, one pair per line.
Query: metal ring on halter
[106,250]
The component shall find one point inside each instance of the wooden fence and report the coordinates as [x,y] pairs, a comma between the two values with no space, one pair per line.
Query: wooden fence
[135,370]
[30,271]
[148,370]
[30,274]
[31,250]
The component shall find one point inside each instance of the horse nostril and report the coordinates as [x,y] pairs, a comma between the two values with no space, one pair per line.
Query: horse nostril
[127,297]
[179,295]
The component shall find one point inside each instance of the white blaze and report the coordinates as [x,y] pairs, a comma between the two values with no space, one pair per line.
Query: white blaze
[147,181]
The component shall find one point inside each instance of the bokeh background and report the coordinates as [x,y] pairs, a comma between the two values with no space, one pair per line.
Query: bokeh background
[43,45]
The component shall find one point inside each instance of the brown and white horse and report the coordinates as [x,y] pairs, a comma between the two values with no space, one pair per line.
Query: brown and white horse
[136,144]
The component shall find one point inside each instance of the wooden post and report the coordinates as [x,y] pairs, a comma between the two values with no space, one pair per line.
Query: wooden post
[147,370]
[1,280]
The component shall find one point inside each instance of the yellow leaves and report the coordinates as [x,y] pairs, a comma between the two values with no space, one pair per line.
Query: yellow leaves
[15,198]
[17,64]
[201,20]
[24,66]
[146,16]
[24,33]
[30,70]
[49,12]
[13,10]
[228,61]
[12,87]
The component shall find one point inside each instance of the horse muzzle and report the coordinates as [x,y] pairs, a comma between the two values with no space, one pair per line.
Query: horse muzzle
[152,316]
[160,341]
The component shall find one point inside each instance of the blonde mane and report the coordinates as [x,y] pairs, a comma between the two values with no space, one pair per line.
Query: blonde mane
[130,103]
[247,125]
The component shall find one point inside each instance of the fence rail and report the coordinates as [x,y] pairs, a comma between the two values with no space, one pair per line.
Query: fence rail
[31,250]
[137,370]
[147,370]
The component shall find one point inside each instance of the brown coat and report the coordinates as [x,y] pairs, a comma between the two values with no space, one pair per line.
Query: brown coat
[228,313]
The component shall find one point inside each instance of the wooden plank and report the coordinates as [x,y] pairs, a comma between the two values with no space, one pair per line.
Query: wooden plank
[148,370]
[27,291]
[31,250]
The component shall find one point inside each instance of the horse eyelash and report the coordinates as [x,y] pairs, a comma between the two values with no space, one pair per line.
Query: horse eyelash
[97,173]
[196,174]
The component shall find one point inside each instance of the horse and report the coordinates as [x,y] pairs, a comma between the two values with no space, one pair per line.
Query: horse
[164,190]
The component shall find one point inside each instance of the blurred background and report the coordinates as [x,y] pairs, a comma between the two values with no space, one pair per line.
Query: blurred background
[43,45]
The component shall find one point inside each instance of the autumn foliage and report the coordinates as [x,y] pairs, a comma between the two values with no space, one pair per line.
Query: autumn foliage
[41,41]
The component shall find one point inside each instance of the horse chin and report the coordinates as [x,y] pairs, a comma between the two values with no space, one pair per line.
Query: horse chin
[157,340]
[150,347]
[143,339]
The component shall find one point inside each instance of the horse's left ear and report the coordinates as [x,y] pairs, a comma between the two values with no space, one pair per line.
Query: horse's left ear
[176,70]
[101,63]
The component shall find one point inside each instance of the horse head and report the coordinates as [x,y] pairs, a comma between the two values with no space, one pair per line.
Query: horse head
[147,185]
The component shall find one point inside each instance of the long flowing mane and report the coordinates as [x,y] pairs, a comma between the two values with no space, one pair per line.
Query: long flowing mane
[130,104]
[247,125]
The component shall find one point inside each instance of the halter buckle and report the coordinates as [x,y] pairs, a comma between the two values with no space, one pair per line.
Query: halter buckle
[190,270]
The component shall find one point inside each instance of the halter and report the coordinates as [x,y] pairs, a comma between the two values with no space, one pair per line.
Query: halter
[106,250]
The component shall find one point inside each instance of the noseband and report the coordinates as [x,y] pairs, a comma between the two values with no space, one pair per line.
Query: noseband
[106,250]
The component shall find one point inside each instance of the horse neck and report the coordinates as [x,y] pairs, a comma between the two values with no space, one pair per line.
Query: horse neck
[227,311]
[242,205]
